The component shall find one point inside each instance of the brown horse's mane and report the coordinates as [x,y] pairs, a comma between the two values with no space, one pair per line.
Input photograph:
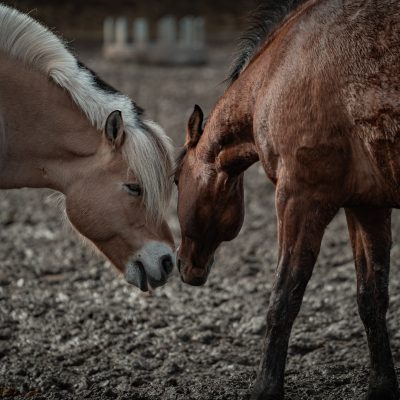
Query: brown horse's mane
[262,22]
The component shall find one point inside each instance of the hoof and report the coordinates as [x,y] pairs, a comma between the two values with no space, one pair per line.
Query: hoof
[267,396]
[260,392]
[382,393]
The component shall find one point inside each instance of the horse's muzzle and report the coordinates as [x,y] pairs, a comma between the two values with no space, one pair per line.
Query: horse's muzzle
[151,266]
[194,275]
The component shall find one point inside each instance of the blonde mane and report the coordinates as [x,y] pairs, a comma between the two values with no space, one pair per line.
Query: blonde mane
[147,148]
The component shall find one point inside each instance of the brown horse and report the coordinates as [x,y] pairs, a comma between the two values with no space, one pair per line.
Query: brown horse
[315,96]
[61,127]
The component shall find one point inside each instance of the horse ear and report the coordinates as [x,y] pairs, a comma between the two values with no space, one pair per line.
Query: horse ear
[194,126]
[114,129]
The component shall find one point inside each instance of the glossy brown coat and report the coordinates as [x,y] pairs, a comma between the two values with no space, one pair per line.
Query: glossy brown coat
[319,106]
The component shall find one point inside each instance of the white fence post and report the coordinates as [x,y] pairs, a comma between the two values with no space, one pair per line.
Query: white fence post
[121,32]
[186,31]
[140,32]
[108,31]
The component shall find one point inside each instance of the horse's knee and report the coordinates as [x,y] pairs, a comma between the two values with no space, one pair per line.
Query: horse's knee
[284,305]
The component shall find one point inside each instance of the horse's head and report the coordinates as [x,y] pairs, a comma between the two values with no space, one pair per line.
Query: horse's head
[210,202]
[107,204]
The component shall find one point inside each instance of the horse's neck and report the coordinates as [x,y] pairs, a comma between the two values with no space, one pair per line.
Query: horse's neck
[43,131]
[228,136]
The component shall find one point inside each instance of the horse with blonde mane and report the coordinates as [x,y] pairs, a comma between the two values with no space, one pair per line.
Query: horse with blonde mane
[63,128]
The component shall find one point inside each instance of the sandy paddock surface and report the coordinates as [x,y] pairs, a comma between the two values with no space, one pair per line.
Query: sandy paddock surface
[71,328]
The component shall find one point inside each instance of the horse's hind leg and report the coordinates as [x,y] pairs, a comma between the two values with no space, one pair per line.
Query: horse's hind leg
[301,225]
[370,233]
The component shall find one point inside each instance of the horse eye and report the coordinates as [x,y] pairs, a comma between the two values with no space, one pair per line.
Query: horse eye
[133,189]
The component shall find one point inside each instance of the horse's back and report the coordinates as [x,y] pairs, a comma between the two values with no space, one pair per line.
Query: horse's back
[369,76]
[336,73]
[349,52]
[369,68]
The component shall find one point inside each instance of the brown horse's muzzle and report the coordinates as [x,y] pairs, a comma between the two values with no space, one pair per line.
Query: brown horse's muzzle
[192,274]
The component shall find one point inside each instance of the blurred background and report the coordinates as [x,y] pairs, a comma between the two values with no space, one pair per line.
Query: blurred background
[83,20]
[81,25]
[72,328]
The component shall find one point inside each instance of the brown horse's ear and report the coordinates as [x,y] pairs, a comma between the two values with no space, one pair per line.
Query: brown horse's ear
[114,129]
[194,127]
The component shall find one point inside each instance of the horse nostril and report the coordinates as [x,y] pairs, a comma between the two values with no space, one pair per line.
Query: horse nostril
[167,264]
[179,264]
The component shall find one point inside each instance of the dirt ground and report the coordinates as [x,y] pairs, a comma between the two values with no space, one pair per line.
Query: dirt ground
[71,328]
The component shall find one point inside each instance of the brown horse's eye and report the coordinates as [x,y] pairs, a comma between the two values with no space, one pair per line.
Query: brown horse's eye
[133,189]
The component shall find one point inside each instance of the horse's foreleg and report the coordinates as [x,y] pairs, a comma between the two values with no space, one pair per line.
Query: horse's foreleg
[370,233]
[301,224]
